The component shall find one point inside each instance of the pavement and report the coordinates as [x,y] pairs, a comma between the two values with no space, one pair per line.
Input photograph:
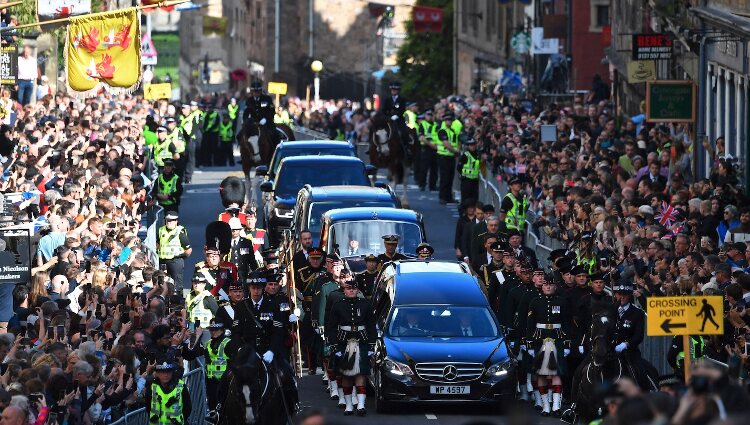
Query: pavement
[201,204]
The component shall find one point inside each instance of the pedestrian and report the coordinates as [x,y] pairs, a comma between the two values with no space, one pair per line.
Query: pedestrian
[28,72]
[173,247]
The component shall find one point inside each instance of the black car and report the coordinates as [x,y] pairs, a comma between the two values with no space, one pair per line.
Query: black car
[304,148]
[313,202]
[438,339]
[297,171]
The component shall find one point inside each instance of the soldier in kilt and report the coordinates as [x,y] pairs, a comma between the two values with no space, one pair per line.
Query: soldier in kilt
[351,331]
[548,325]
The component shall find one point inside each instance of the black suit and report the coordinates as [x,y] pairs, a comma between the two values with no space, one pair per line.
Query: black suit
[630,329]
[258,108]
[391,107]
[243,256]
[659,181]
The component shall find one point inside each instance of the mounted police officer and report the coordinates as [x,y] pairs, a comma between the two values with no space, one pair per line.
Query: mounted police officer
[351,331]
[173,246]
[514,206]
[548,324]
[259,110]
[390,254]
[468,167]
[595,299]
[393,108]
[631,322]
[168,188]
[167,399]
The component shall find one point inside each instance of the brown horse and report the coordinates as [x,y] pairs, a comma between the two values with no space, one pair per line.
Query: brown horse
[387,150]
[257,144]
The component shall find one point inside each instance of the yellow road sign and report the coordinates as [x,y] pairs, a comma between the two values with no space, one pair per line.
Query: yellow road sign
[157,91]
[668,316]
[276,88]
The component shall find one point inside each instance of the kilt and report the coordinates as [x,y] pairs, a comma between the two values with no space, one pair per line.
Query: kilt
[354,359]
[549,358]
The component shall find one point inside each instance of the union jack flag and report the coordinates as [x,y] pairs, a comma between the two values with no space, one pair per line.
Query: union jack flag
[667,216]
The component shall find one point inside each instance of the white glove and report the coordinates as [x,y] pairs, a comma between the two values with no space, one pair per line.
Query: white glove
[566,352]
[531,352]
[338,354]
[580,349]
[523,347]
[370,353]
[292,318]
[228,333]
[321,331]
[621,347]
[394,117]
[268,356]
[262,121]
[297,312]
[512,345]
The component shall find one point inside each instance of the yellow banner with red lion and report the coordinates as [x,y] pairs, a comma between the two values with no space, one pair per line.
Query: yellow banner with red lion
[103,51]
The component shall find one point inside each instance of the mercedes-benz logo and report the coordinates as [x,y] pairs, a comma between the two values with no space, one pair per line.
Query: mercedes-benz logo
[450,372]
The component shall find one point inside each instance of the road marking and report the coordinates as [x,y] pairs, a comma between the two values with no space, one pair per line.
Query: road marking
[430,416]
[203,190]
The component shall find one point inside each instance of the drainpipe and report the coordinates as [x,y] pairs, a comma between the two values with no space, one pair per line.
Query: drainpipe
[277,37]
[700,132]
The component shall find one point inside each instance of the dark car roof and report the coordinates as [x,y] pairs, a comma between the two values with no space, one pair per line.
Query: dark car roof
[333,159]
[364,193]
[435,282]
[370,213]
[307,144]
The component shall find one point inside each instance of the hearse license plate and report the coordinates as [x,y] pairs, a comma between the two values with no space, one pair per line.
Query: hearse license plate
[449,389]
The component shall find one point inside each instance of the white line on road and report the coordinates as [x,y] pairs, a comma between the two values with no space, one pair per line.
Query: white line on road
[430,416]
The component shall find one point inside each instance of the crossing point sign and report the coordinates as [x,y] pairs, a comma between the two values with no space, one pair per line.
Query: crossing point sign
[699,315]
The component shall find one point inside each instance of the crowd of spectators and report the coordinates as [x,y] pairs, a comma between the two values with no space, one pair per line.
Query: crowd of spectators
[86,331]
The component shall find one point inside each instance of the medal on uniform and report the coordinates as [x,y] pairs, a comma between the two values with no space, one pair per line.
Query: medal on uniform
[555,309]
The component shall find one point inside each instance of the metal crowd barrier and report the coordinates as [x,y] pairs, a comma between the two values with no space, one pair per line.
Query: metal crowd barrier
[196,387]
[154,217]
[543,245]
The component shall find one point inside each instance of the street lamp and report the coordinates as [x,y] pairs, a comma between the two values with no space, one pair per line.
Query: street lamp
[316,66]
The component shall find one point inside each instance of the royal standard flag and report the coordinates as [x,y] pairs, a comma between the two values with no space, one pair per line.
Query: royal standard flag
[103,51]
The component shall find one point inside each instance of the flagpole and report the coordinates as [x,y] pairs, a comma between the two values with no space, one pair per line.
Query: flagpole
[167,3]
[10,4]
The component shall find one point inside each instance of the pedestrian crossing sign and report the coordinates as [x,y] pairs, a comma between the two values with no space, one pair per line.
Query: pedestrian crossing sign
[157,91]
[685,315]
[276,88]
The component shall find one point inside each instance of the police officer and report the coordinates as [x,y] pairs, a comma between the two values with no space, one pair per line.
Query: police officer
[676,353]
[233,110]
[173,246]
[428,168]
[366,278]
[164,148]
[217,353]
[393,108]
[242,253]
[468,167]
[210,142]
[390,254]
[547,324]
[201,306]
[424,251]
[306,279]
[447,149]
[631,322]
[259,109]
[168,187]
[226,142]
[351,331]
[595,299]
[167,399]
[175,135]
[514,206]
[189,126]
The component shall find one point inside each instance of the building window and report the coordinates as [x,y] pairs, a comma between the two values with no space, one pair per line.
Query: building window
[599,15]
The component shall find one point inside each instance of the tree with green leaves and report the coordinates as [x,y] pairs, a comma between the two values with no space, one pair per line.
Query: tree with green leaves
[425,59]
